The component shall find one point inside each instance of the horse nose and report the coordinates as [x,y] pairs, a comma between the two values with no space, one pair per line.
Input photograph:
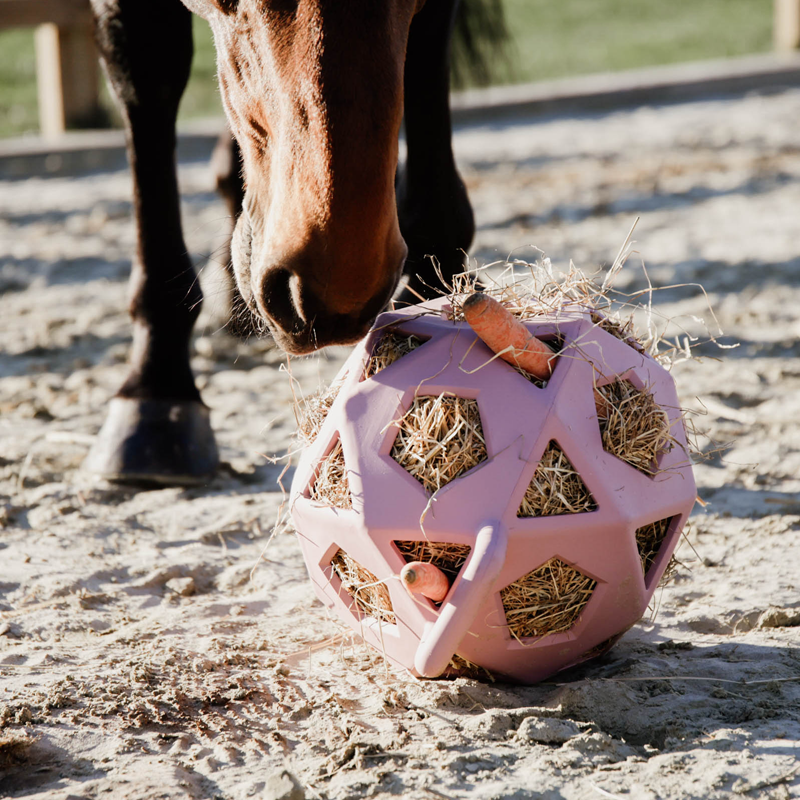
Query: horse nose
[305,314]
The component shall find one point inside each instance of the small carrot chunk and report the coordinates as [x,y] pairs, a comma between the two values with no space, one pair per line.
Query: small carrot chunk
[425,579]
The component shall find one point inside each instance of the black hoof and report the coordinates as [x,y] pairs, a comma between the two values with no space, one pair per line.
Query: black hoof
[154,441]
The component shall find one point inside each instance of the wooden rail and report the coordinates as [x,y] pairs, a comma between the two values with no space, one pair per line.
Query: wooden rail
[67,72]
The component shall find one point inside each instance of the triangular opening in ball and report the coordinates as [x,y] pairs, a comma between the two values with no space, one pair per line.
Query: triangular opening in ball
[392,345]
[649,539]
[556,488]
[331,485]
[368,593]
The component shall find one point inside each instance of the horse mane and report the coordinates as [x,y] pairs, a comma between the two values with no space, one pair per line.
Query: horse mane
[479,41]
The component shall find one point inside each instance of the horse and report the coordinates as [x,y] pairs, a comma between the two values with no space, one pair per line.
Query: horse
[315,92]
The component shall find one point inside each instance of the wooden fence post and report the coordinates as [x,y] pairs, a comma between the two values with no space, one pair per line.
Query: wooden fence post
[786,24]
[67,77]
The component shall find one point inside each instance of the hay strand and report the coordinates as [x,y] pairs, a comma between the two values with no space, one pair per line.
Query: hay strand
[649,539]
[448,557]
[556,488]
[634,427]
[391,347]
[547,600]
[370,595]
[331,486]
[311,411]
[439,439]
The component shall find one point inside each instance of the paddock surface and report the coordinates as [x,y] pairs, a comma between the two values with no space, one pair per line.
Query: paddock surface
[140,658]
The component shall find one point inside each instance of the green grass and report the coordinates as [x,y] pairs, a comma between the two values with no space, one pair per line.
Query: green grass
[550,39]
[557,38]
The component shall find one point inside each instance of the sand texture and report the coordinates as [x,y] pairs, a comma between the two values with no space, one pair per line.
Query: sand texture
[140,659]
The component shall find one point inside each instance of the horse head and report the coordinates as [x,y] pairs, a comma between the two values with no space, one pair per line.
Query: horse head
[313,91]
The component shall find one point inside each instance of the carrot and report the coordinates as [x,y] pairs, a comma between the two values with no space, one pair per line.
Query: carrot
[425,579]
[500,329]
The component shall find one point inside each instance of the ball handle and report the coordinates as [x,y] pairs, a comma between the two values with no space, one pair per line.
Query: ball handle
[441,640]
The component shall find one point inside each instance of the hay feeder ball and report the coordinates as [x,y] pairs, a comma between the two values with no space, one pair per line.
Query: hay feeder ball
[551,507]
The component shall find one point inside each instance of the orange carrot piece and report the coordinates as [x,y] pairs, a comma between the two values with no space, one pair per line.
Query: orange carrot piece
[425,579]
[500,329]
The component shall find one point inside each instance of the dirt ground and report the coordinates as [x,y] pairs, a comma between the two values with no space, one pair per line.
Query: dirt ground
[146,652]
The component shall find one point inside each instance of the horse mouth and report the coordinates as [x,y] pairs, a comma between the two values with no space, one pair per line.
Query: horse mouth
[299,322]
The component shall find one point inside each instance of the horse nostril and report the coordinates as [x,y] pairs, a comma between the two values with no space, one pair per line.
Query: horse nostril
[275,300]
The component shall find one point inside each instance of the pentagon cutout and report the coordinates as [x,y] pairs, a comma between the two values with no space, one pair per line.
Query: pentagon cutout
[634,428]
[439,439]
[547,600]
[391,347]
[331,485]
[649,539]
[448,557]
[556,488]
[370,596]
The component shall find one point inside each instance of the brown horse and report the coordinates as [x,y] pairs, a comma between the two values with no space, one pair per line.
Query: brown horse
[315,92]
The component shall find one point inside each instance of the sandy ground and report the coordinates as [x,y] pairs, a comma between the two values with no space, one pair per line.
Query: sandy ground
[139,658]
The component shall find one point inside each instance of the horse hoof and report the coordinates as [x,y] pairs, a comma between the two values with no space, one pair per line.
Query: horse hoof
[154,441]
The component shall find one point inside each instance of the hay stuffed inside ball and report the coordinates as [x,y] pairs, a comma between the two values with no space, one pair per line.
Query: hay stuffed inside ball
[462,506]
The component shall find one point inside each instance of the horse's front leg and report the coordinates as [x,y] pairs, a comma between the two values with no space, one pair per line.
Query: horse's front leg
[157,427]
[433,207]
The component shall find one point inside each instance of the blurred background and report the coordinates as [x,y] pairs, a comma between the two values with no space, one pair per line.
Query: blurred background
[548,40]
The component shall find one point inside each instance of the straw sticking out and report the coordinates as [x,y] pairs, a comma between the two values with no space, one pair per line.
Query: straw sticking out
[332,486]
[391,347]
[547,600]
[439,438]
[370,596]
[634,427]
[312,411]
[649,539]
[448,557]
[556,488]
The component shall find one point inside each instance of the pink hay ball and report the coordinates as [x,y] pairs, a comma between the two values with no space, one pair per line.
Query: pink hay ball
[531,592]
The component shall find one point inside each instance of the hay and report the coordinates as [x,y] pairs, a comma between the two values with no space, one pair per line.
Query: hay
[546,601]
[556,488]
[391,347]
[439,439]
[622,329]
[331,486]
[370,595]
[445,555]
[634,427]
[311,412]
[460,667]
[649,539]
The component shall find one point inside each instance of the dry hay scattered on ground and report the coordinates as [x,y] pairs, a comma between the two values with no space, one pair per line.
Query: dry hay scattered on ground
[439,439]
[369,594]
[547,600]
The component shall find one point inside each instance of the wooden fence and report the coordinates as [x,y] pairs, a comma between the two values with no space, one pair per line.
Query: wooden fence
[68,74]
